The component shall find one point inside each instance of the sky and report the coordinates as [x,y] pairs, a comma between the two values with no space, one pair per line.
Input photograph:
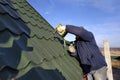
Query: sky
[102,17]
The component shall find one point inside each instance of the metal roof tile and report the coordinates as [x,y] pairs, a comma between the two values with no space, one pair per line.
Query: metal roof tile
[7,38]
[6,2]
[43,73]
[7,56]
[22,43]
[8,10]
[14,25]
[7,73]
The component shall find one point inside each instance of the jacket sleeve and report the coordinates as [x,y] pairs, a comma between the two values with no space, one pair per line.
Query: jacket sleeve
[79,31]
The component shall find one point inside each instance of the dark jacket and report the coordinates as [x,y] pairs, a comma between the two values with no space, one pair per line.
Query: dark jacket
[87,50]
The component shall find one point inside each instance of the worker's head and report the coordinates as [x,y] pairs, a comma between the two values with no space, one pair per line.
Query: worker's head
[61,29]
[58,29]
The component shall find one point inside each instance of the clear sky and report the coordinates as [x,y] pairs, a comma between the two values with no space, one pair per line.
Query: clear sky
[102,17]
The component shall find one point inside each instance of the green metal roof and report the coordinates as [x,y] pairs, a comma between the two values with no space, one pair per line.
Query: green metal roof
[28,49]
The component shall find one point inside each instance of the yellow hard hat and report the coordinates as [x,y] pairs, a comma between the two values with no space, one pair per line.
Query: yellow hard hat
[59,25]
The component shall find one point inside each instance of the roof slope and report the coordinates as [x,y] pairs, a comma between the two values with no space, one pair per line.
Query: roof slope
[28,50]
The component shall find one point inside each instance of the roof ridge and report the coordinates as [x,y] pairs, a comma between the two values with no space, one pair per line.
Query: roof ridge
[27,16]
[36,12]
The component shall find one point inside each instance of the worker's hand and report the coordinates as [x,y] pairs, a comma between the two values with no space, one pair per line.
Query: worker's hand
[71,48]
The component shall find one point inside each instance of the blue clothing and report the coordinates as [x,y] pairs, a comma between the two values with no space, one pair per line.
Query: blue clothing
[87,50]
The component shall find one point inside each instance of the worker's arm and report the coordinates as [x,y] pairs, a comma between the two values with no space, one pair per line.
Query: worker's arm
[79,31]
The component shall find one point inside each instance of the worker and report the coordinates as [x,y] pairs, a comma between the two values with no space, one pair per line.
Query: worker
[88,54]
